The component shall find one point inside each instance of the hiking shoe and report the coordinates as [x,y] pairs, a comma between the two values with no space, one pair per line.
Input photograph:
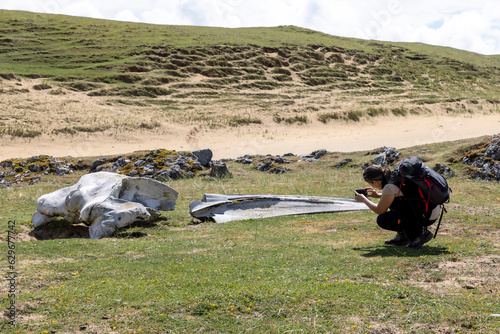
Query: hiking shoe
[399,240]
[426,236]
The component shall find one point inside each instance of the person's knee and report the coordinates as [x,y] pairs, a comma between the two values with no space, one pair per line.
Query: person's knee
[380,221]
[388,221]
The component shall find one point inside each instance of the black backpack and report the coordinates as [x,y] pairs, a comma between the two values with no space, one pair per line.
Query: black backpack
[433,188]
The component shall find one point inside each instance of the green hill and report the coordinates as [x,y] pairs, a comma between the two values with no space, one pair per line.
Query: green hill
[66,48]
[172,67]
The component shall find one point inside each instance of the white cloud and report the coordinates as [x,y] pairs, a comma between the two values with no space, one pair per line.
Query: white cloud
[126,15]
[82,8]
[463,24]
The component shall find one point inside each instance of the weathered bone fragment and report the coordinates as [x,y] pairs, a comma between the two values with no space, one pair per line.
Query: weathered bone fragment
[106,202]
[225,208]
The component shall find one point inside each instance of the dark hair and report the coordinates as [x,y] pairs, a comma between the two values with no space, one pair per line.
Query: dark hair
[377,173]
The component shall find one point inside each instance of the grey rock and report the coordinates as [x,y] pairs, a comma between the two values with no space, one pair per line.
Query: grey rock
[246,159]
[174,172]
[485,167]
[120,162]
[314,155]
[5,184]
[139,163]
[63,170]
[318,154]
[35,168]
[386,156]
[444,170]
[493,150]
[343,163]
[204,156]
[96,164]
[219,170]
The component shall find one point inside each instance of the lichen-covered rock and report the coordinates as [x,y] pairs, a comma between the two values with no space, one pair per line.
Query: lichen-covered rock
[484,162]
[493,149]
[164,164]
[30,170]
[269,163]
[274,165]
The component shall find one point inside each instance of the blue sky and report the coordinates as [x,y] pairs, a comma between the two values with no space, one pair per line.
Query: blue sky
[467,25]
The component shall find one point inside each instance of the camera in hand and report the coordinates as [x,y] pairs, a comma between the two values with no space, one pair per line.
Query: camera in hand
[362,191]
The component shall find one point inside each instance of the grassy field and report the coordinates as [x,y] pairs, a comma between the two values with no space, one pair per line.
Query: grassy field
[325,273]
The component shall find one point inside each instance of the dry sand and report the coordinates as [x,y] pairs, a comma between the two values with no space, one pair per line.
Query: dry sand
[43,111]
[270,138]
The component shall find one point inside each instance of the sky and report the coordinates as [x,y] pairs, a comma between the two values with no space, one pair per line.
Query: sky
[461,24]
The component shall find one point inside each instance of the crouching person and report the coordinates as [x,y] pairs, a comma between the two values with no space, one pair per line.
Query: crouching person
[399,208]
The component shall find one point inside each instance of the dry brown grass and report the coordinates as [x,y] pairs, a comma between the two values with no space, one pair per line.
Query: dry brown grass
[76,124]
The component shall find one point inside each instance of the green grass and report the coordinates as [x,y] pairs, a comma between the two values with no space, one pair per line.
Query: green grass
[355,115]
[400,111]
[235,121]
[313,273]
[290,120]
[374,112]
[67,48]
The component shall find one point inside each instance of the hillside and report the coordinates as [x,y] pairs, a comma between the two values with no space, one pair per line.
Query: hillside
[68,79]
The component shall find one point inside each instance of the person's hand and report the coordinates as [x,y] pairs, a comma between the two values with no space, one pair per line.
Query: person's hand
[359,197]
[370,192]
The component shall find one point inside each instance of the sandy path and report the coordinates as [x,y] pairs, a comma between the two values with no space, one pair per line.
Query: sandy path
[272,138]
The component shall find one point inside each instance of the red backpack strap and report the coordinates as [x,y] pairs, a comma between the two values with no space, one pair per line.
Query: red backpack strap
[423,199]
[401,184]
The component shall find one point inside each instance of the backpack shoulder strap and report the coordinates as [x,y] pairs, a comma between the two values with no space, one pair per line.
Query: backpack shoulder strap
[443,210]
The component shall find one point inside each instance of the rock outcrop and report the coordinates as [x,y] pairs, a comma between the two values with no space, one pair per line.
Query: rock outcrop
[30,170]
[484,162]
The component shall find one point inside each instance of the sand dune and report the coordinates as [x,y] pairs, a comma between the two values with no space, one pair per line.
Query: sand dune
[270,138]
[22,107]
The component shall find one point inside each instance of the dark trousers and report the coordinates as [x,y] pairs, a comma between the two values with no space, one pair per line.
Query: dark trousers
[405,216]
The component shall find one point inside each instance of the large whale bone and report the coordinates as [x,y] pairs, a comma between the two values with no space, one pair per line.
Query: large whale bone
[106,202]
[225,208]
